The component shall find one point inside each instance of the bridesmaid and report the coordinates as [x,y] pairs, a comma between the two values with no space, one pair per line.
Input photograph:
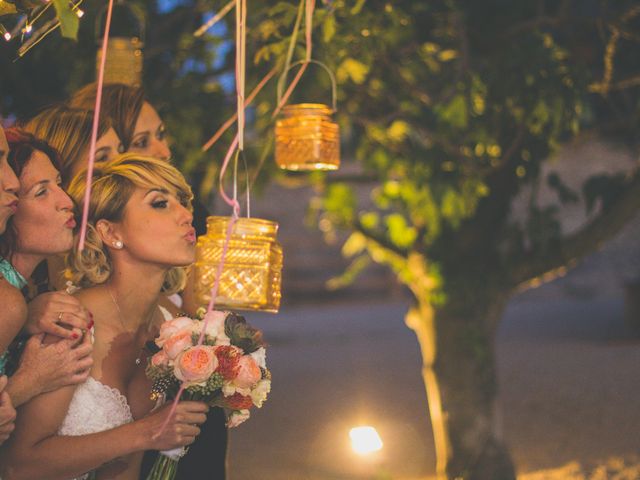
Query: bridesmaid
[68,131]
[42,225]
[8,204]
[141,130]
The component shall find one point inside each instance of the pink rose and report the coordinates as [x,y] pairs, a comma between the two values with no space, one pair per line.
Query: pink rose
[171,327]
[177,343]
[160,359]
[196,364]
[248,372]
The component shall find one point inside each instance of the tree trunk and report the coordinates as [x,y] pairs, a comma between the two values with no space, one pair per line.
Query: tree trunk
[460,378]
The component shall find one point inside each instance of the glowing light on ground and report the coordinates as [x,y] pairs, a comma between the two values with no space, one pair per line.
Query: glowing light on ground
[365,440]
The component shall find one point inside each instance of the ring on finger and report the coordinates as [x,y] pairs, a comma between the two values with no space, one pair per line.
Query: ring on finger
[60,316]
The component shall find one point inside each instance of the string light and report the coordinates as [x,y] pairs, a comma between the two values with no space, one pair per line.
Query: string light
[5,34]
[27,28]
[79,13]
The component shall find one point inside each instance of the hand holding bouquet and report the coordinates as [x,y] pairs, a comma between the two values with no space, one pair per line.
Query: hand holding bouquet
[227,369]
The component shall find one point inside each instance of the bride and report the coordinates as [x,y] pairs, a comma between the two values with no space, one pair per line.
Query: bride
[139,235]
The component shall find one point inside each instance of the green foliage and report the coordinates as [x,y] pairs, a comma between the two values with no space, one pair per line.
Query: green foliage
[453,108]
[69,21]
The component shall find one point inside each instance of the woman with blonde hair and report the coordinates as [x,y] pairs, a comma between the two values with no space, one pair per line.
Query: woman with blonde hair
[141,130]
[139,239]
[68,130]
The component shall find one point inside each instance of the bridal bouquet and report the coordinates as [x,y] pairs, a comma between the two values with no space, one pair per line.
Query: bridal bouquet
[226,370]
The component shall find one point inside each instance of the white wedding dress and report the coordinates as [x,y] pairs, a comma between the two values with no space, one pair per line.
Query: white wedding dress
[96,407]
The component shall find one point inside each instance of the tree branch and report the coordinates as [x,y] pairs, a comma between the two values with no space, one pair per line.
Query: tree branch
[543,266]
[379,239]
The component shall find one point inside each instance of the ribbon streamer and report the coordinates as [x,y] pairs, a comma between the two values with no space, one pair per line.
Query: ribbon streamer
[309,8]
[94,129]
[241,37]
[215,19]
[216,136]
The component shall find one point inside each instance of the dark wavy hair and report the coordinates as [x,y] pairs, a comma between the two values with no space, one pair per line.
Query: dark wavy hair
[22,146]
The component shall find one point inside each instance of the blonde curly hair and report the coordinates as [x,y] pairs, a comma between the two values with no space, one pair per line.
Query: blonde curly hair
[113,183]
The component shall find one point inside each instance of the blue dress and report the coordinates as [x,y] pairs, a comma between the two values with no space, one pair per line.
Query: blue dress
[12,276]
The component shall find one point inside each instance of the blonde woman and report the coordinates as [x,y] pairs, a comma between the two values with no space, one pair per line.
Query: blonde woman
[139,238]
[68,130]
[141,130]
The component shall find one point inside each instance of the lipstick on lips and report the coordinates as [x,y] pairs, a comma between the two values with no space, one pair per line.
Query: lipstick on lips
[71,223]
[190,236]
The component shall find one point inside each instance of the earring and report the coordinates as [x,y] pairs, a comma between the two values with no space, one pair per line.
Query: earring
[118,244]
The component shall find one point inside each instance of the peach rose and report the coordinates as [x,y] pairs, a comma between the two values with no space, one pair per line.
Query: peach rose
[171,327]
[160,359]
[175,344]
[195,364]
[248,372]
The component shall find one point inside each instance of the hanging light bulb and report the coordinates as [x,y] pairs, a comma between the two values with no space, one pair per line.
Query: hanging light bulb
[124,49]
[5,33]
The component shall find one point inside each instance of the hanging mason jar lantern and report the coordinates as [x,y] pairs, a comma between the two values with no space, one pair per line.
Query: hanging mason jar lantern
[252,271]
[307,138]
[124,49]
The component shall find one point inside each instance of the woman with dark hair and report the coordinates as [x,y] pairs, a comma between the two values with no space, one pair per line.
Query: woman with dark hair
[134,119]
[42,225]
[68,131]
[141,130]
[8,204]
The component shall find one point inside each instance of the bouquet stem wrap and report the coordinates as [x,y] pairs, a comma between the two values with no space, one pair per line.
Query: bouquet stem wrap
[166,465]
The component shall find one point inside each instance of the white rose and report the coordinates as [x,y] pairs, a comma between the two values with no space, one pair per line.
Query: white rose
[228,389]
[214,325]
[259,393]
[237,417]
[260,356]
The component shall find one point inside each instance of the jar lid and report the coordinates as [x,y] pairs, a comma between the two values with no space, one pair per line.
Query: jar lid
[307,108]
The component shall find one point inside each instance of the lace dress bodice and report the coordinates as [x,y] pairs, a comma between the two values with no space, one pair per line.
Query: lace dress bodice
[96,407]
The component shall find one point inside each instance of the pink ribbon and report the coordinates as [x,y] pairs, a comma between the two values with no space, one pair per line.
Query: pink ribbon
[94,130]
[308,20]
[232,202]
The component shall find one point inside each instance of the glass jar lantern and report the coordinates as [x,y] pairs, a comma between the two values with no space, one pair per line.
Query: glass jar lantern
[252,272]
[307,138]
[124,62]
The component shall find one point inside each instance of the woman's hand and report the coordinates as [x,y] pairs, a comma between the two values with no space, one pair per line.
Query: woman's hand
[54,365]
[59,314]
[7,412]
[181,430]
